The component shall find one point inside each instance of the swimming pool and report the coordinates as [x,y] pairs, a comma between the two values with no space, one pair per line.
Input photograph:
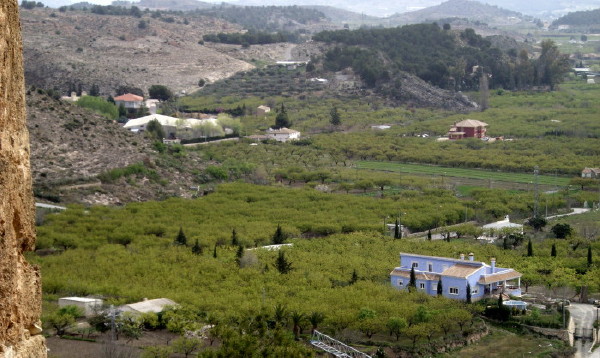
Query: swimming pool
[521,305]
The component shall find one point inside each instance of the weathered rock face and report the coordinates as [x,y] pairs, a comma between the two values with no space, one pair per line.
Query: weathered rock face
[20,285]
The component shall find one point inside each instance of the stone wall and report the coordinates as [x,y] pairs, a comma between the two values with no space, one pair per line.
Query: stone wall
[20,285]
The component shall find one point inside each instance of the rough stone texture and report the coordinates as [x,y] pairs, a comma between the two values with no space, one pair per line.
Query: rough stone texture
[20,285]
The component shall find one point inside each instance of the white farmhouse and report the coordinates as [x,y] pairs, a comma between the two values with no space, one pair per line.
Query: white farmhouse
[282,134]
[171,125]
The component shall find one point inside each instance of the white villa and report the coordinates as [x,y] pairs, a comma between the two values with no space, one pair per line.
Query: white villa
[171,125]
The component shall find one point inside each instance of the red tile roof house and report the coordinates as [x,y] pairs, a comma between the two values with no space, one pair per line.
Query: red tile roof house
[590,173]
[469,128]
[129,100]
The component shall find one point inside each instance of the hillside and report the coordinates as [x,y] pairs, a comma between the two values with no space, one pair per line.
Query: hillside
[468,9]
[74,47]
[580,19]
[71,146]
[176,5]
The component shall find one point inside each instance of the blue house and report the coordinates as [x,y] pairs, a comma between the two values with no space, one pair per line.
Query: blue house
[484,280]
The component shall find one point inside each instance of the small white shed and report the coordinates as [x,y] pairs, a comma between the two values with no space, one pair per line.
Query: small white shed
[88,305]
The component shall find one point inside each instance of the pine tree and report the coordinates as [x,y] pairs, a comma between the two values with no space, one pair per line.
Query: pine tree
[282,264]
[397,234]
[413,278]
[335,117]
[440,289]
[553,251]
[529,248]
[234,238]
[468,292]
[278,237]
[197,249]
[181,239]
[590,261]
[354,277]
[215,252]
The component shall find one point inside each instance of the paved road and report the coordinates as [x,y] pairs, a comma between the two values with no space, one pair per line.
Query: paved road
[584,316]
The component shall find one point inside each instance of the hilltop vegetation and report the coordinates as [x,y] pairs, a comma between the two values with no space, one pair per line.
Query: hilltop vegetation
[589,19]
[268,18]
[439,56]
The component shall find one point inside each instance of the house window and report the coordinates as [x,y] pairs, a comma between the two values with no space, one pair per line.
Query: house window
[434,286]
[453,290]
[430,267]
[400,283]
[422,286]
[475,290]
[415,264]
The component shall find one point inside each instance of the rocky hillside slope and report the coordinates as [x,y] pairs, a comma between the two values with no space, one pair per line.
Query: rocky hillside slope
[65,49]
[71,146]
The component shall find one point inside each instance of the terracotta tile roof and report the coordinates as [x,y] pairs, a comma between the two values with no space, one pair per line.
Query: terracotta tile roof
[129,97]
[501,276]
[470,123]
[430,276]
[460,270]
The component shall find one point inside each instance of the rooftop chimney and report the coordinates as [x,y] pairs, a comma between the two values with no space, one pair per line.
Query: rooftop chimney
[471,257]
[462,257]
[493,263]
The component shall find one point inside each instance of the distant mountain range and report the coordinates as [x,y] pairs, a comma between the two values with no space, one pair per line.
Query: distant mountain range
[379,8]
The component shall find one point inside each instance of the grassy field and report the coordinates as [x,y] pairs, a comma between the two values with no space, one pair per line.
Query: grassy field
[461,173]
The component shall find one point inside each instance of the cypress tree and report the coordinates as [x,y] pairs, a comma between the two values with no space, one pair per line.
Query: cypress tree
[553,251]
[429,235]
[239,254]
[278,237]
[529,248]
[505,243]
[335,117]
[234,238]
[440,289]
[282,264]
[468,292]
[397,234]
[589,256]
[500,304]
[215,252]
[413,278]
[181,239]
[197,249]
[354,277]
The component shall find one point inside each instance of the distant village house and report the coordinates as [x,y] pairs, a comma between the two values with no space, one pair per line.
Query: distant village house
[590,173]
[262,110]
[469,128]
[129,101]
